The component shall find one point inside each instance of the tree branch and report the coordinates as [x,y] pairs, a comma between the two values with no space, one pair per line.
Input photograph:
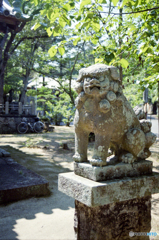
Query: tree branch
[27,38]
[19,28]
[46,74]
[76,58]
[145,10]
[49,75]
[3,41]
[73,66]
[9,43]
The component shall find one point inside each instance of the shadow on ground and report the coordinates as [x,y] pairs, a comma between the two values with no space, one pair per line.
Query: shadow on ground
[14,216]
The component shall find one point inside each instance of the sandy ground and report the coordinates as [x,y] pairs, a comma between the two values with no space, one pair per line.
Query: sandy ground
[49,217]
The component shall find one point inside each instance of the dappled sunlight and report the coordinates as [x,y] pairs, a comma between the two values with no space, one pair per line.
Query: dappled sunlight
[53,226]
[154,212]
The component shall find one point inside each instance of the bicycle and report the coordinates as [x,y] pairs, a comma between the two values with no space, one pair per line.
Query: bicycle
[24,126]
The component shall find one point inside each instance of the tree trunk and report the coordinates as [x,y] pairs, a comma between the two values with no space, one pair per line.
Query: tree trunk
[24,89]
[120,42]
[3,59]
[29,67]
[158,109]
[1,87]
[5,45]
[44,105]
[61,68]
[44,83]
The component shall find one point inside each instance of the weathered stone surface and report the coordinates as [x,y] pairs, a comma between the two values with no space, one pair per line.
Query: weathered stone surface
[118,170]
[4,153]
[113,221]
[94,194]
[139,112]
[17,182]
[102,108]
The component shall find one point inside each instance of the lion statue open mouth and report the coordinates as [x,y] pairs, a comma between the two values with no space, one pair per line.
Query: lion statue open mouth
[102,108]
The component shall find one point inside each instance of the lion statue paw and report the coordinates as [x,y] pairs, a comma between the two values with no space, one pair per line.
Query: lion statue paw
[128,158]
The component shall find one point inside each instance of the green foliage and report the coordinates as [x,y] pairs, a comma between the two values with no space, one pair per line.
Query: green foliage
[62,110]
[44,96]
[52,51]
[13,78]
[55,115]
[133,93]
[120,33]
[31,143]
[55,104]
[67,109]
[45,119]
[120,37]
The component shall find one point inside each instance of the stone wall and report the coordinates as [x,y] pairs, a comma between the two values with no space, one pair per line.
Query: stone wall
[8,124]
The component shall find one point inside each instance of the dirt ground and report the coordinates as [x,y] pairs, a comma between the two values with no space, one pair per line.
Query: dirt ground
[49,217]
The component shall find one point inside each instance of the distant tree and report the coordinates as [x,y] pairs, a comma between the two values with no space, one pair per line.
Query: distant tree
[64,66]
[8,44]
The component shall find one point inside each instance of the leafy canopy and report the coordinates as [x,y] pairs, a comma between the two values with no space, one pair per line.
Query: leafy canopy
[120,30]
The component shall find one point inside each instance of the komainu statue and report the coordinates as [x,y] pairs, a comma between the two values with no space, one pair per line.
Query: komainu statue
[102,108]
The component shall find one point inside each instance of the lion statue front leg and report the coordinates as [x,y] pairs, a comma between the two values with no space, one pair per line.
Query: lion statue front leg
[100,150]
[81,144]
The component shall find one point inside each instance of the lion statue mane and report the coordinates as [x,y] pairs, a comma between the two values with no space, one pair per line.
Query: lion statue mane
[102,108]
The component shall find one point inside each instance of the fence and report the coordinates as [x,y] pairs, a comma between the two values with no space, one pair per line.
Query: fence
[18,108]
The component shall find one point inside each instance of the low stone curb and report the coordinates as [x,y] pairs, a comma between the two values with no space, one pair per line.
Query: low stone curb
[17,182]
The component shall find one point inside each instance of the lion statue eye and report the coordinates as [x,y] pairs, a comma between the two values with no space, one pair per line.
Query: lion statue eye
[101,79]
[87,79]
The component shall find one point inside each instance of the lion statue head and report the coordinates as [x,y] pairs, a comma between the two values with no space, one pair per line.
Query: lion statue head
[98,80]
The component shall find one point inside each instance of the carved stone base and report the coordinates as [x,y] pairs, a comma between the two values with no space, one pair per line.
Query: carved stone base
[118,170]
[113,221]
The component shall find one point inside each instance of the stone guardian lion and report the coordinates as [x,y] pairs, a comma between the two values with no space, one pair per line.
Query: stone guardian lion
[102,108]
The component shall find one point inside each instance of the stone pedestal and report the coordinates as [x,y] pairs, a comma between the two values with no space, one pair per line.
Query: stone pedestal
[115,205]
[113,221]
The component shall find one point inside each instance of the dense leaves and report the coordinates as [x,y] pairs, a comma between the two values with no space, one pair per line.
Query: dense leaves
[121,31]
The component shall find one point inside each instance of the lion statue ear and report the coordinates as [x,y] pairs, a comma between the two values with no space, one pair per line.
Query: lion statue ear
[79,87]
[114,73]
[81,75]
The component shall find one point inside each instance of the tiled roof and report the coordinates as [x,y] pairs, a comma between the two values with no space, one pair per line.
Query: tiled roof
[13,12]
